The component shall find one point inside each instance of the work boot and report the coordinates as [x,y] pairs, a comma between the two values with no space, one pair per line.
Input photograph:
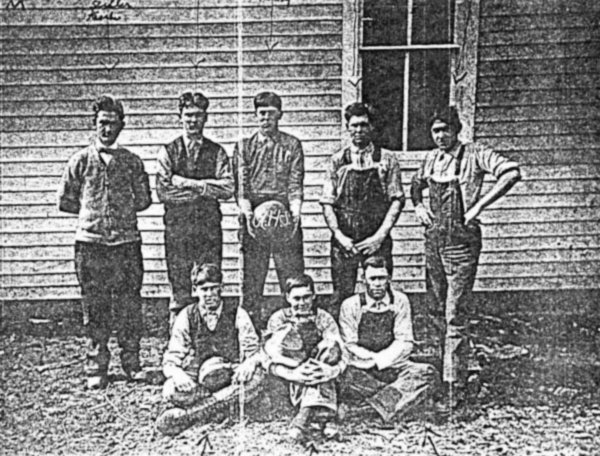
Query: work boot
[175,420]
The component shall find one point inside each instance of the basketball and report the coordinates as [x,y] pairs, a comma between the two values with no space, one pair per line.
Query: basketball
[273,222]
[215,373]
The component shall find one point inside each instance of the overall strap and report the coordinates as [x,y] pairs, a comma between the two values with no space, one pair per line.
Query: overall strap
[459,157]
[363,299]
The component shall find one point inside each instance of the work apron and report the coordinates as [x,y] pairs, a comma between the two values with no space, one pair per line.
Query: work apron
[452,252]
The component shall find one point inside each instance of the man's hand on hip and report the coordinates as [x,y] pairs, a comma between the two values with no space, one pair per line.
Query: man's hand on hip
[424,215]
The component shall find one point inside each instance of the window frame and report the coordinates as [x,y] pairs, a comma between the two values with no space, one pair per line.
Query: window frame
[463,60]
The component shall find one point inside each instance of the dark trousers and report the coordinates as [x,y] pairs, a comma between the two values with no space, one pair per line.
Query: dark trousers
[344,267]
[289,261]
[111,279]
[391,392]
[450,274]
[189,241]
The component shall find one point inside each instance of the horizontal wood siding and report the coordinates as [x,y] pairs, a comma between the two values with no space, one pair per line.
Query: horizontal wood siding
[537,70]
[537,101]
[55,61]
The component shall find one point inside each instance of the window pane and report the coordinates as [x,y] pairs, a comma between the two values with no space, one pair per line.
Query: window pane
[384,22]
[432,22]
[383,76]
[429,87]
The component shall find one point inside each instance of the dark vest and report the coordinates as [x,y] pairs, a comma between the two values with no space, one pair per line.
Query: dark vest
[223,341]
[375,330]
[204,167]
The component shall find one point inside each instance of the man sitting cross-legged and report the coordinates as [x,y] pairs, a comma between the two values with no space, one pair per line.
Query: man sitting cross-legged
[303,347]
[202,363]
[376,327]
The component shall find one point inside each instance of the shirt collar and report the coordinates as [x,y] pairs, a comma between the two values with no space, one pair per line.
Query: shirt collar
[262,138]
[107,149]
[189,142]
[378,306]
[364,151]
[204,311]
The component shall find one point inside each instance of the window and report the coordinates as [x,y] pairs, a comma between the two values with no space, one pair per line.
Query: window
[406,50]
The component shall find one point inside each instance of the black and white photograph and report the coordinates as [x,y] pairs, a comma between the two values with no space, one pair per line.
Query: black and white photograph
[300,227]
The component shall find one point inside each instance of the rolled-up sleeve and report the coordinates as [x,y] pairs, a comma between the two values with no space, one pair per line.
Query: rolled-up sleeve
[493,162]
[393,183]
[329,189]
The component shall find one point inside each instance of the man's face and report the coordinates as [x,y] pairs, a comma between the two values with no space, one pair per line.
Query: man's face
[377,280]
[268,119]
[108,127]
[301,301]
[444,135]
[361,130]
[209,295]
[193,119]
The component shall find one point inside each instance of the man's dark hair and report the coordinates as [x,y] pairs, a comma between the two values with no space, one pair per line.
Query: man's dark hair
[299,281]
[359,109]
[375,261]
[109,104]
[448,115]
[267,100]
[189,99]
[207,272]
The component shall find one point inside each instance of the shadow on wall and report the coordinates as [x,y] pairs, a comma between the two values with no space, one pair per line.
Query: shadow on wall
[65,317]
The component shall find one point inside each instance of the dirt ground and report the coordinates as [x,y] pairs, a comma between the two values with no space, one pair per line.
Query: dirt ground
[540,397]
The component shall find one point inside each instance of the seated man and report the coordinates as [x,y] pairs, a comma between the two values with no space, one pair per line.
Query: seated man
[377,330]
[303,346]
[201,364]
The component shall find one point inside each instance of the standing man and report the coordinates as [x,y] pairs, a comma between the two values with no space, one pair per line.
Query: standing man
[105,184]
[193,173]
[269,167]
[454,174]
[304,347]
[362,199]
[213,349]
[376,327]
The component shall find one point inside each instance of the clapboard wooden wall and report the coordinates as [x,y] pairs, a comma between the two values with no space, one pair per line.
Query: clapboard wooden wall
[537,101]
[534,102]
[56,60]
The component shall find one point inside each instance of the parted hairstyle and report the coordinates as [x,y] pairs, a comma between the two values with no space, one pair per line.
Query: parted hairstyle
[299,281]
[188,99]
[375,261]
[448,115]
[267,100]
[207,272]
[359,109]
[108,103]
